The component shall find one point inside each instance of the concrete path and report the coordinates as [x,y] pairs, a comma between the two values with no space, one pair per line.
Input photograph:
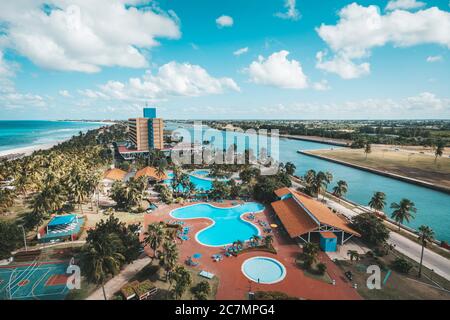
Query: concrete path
[114,285]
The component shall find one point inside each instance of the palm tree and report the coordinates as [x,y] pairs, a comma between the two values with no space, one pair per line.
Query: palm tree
[353,254]
[403,211]
[182,279]
[321,182]
[255,239]
[340,189]
[161,168]
[155,235]
[191,189]
[439,150]
[101,259]
[268,240]
[310,248]
[426,234]
[378,201]
[309,177]
[367,149]
[290,168]
[168,257]
[7,198]
[310,251]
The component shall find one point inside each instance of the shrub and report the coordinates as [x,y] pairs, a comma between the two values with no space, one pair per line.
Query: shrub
[380,251]
[402,265]
[372,230]
[321,268]
[201,290]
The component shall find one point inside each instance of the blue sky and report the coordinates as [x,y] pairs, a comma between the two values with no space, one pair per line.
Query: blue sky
[301,59]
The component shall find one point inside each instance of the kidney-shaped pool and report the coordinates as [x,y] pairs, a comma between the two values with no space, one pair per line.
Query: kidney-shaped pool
[227,227]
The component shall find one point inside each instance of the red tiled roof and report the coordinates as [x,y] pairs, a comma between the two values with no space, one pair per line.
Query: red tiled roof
[151,172]
[322,213]
[114,174]
[297,220]
[282,192]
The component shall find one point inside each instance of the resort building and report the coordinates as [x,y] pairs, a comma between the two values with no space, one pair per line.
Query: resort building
[151,173]
[112,175]
[309,220]
[61,228]
[146,133]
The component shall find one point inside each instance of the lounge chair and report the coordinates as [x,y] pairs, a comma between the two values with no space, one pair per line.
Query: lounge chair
[205,274]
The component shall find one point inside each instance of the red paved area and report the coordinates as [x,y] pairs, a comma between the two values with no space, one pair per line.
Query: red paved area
[56,280]
[234,285]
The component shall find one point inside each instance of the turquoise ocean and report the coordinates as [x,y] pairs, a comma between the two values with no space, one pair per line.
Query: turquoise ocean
[20,134]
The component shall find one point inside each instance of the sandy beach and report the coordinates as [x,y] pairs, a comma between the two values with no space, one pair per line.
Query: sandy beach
[26,151]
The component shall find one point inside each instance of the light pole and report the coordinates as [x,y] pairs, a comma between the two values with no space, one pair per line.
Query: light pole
[24,238]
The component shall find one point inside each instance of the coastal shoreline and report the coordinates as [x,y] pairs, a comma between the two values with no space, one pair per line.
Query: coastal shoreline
[379,172]
[26,151]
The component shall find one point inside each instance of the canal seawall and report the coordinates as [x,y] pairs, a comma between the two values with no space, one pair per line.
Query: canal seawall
[332,142]
[379,172]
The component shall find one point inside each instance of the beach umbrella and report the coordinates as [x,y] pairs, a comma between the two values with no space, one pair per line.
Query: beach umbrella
[273,225]
[197,255]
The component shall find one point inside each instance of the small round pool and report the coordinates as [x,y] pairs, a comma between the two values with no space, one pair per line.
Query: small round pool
[263,270]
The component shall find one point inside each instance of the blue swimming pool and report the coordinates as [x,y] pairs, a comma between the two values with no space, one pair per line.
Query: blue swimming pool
[228,225]
[263,270]
[200,184]
[201,172]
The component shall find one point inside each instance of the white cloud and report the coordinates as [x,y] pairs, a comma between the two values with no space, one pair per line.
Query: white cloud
[321,85]
[360,29]
[240,51]
[404,4]
[342,66]
[10,98]
[65,93]
[427,101]
[92,94]
[5,68]
[292,13]
[172,79]
[224,21]
[434,58]
[278,71]
[13,100]
[76,36]
[422,106]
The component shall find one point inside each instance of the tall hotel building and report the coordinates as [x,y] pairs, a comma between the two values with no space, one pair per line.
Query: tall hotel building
[146,133]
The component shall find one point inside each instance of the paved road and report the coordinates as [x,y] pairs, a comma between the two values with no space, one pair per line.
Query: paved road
[431,260]
[114,285]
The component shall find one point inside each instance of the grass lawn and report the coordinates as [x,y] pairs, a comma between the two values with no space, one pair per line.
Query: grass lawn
[313,273]
[156,275]
[412,164]
[398,286]
[16,211]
